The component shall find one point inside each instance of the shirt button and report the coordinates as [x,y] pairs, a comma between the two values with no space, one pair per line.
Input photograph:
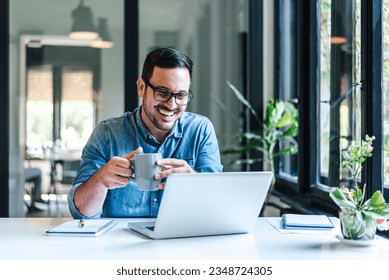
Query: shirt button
[155,200]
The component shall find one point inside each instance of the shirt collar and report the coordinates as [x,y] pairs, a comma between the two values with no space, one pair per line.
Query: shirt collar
[176,130]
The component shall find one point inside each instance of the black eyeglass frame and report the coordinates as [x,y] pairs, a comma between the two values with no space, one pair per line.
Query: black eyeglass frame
[172,94]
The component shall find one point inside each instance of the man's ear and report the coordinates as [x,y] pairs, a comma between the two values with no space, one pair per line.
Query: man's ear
[141,87]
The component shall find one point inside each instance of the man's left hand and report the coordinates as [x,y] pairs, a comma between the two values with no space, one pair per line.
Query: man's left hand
[169,166]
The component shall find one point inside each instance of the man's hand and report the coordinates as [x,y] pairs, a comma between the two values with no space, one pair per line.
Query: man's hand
[116,172]
[169,166]
[90,196]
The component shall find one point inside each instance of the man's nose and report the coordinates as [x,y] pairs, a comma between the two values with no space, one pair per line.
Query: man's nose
[171,103]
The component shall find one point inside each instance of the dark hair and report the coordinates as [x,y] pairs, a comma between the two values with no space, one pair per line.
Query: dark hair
[165,58]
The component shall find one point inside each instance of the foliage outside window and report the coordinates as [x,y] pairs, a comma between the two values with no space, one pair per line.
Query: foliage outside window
[340,86]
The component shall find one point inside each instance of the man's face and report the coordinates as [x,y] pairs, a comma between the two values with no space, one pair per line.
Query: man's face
[159,117]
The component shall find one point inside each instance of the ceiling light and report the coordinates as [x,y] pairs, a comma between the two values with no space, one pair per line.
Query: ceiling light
[105,40]
[83,27]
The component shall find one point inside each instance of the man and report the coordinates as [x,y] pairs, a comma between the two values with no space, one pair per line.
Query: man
[187,142]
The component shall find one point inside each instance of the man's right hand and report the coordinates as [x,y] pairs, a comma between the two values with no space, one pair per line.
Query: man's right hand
[90,196]
[116,172]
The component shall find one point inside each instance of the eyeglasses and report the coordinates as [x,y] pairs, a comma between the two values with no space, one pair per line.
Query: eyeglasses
[163,95]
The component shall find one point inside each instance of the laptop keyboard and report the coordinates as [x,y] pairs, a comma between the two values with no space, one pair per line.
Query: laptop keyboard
[150,228]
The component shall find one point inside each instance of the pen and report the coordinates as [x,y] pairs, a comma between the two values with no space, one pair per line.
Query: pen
[81,223]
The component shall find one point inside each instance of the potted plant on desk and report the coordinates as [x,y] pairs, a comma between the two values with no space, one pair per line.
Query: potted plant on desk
[359,218]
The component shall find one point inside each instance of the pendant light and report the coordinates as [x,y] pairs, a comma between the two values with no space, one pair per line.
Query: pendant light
[83,27]
[105,40]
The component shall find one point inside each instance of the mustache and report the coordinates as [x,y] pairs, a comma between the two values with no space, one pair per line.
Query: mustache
[162,107]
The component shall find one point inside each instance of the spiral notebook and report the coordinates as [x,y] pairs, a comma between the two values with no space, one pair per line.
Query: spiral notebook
[90,228]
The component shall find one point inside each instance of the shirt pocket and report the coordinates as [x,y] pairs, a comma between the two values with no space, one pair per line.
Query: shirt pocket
[129,198]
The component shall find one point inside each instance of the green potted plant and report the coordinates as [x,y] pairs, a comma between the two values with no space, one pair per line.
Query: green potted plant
[279,126]
[359,216]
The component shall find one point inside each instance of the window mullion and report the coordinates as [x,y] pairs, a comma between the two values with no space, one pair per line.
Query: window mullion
[372,120]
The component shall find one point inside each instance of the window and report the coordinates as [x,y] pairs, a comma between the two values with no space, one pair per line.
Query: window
[39,109]
[77,107]
[286,83]
[340,86]
[62,97]
[349,100]
[340,68]
[385,89]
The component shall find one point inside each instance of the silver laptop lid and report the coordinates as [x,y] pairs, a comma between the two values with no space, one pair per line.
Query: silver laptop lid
[211,203]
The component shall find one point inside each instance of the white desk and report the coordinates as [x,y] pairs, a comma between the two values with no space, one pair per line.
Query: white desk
[25,238]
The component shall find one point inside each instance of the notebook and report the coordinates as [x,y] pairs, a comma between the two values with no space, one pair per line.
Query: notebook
[90,228]
[301,221]
[204,204]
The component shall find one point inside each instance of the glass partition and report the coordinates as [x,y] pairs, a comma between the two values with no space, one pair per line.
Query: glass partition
[59,89]
[385,94]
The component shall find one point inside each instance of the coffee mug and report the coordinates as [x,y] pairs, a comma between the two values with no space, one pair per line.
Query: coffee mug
[145,168]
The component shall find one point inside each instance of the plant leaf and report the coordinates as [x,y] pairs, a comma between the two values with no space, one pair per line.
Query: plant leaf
[289,150]
[284,121]
[243,100]
[341,200]
[377,200]
[252,135]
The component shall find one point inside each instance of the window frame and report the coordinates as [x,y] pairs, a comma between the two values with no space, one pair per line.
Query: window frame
[372,78]
[307,188]
[303,10]
[5,109]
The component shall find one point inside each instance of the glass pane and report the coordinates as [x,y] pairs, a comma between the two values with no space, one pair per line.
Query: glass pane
[214,36]
[385,88]
[340,95]
[288,163]
[39,109]
[43,106]
[77,107]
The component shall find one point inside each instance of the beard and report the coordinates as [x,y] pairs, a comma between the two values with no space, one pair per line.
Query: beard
[152,116]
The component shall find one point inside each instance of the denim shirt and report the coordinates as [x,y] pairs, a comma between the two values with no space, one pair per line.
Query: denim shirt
[192,139]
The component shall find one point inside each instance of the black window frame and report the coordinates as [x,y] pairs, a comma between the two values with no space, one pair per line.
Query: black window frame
[302,65]
[4,108]
[307,195]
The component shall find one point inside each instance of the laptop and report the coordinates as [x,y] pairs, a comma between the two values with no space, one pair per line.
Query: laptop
[204,204]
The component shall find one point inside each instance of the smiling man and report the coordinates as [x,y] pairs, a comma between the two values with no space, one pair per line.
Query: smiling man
[187,142]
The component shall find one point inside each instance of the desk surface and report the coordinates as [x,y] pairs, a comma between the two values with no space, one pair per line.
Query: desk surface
[25,238]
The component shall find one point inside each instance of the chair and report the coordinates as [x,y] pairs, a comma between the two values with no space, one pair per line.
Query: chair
[63,175]
[69,171]
[33,184]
